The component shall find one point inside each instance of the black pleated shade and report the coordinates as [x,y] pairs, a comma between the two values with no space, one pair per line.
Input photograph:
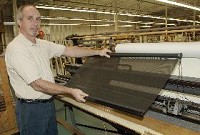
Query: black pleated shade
[130,84]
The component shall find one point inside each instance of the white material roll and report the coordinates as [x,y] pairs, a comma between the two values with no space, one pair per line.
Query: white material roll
[188,49]
[190,63]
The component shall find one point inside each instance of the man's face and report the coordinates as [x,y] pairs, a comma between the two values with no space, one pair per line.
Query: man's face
[30,23]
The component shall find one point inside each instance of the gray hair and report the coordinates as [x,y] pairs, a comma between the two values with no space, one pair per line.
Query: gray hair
[19,15]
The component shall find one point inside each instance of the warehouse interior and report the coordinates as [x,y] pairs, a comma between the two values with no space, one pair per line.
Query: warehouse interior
[155,46]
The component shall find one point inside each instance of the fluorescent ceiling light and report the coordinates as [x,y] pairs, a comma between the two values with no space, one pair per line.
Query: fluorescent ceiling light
[179,4]
[100,25]
[77,19]
[147,23]
[146,26]
[133,15]
[158,17]
[69,24]
[61,18]
[13,23]
[125,26]
[169,24]
[55,19]
[93,20]
[135,22]
[73,9]
[173,19]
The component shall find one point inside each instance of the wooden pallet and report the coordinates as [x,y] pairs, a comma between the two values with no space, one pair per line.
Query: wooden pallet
[7,115]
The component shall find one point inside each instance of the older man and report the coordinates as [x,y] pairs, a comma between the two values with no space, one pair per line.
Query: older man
[27,60]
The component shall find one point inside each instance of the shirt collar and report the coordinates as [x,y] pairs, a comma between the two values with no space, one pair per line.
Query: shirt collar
[28,42]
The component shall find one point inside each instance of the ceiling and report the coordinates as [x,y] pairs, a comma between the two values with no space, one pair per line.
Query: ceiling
[130,13]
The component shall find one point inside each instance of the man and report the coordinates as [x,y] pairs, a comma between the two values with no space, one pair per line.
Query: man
[27,60]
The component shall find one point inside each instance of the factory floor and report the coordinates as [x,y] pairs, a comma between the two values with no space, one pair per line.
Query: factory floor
[85,119]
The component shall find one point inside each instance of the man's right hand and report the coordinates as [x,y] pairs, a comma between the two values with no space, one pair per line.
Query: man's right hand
[79,95]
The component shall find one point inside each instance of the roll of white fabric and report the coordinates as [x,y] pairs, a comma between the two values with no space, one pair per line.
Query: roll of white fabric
[188,49]
[190,62]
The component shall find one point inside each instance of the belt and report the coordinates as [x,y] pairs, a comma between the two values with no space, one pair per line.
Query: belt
[34,101]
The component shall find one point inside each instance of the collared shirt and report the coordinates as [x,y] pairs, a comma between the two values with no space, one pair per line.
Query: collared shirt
[27,62]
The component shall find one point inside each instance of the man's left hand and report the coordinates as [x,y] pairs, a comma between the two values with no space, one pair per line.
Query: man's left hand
[104,52]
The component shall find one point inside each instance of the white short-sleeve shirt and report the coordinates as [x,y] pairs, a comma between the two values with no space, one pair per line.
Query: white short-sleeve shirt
[27,62]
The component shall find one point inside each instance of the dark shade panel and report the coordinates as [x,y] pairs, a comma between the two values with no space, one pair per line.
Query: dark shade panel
[130,84]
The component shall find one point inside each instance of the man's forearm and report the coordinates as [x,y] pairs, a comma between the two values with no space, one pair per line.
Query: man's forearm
[49,87]
[80,52]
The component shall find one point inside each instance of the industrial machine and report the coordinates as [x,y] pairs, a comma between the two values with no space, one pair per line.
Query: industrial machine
[163,86]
